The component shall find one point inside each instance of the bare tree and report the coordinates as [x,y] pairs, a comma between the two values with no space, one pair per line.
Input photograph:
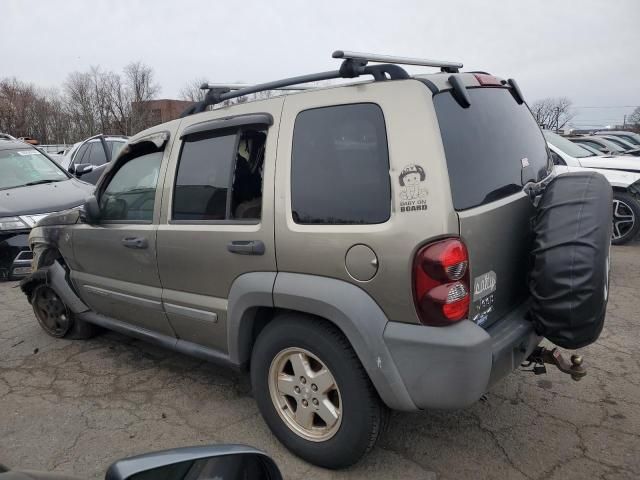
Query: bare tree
[138,79]
[634,119]
[552,113]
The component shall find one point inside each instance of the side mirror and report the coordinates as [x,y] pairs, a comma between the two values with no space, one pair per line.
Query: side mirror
[224,462]
[82,168]
[91,209]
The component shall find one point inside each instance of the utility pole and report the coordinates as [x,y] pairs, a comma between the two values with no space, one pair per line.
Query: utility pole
[624,123]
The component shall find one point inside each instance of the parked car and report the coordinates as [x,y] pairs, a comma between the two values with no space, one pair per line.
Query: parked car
[31,186]
[357,247]
[89,158]
[629,148]
[605,146]
[568,157]
[591,157]
[630,137]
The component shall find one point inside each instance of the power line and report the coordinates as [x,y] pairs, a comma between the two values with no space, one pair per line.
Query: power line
[605,106]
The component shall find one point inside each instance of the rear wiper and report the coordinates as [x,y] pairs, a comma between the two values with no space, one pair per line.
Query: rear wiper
[40,182]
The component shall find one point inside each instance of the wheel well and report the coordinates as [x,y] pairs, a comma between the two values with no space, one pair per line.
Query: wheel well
[262,316]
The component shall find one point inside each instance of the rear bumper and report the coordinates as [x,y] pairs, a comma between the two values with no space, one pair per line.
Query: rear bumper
[452,367]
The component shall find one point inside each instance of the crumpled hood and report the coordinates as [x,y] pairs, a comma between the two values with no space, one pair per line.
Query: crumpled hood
[45,198]
[617,163]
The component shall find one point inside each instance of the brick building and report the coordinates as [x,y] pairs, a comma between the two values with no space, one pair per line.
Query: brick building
[160,111]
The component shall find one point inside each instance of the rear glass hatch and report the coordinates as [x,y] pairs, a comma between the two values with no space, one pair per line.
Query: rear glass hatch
[493,148]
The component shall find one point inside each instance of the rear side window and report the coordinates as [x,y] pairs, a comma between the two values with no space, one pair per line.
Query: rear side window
[220,176]
[492,147]
[340,166]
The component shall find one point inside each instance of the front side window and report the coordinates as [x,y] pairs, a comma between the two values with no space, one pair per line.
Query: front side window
[220,176]
[131,192]
[340,166]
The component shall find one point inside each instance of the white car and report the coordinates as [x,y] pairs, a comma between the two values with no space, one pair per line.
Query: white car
[570,157]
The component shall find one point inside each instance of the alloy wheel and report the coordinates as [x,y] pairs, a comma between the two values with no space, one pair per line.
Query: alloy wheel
[305,394]
[623,219]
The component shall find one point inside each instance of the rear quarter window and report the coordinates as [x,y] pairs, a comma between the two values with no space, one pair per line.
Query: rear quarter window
[340,166]
[492,147]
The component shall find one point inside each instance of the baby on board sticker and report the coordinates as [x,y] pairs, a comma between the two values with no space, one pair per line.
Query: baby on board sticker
[413,195]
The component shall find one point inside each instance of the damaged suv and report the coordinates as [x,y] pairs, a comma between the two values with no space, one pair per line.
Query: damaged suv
[394,243]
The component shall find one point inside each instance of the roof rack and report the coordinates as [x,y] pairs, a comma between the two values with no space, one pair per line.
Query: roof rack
[354,64]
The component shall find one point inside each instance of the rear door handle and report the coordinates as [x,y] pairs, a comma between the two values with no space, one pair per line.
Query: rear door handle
[135,242]
[246,247]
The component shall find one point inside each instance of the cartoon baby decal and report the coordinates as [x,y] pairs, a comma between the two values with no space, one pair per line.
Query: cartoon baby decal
[411,179]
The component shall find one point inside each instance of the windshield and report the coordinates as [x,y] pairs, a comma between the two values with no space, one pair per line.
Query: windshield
[612,147]
[567,146]
[22,167]
[620,142]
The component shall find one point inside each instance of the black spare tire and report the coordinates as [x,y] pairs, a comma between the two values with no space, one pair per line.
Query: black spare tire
[569,281]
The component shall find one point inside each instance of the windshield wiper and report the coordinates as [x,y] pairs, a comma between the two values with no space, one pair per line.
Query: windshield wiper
[40,182]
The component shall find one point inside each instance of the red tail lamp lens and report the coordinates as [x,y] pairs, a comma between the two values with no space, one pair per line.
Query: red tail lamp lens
[441,282]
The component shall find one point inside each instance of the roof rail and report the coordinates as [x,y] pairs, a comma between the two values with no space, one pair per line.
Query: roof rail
[239,86]
[353,65]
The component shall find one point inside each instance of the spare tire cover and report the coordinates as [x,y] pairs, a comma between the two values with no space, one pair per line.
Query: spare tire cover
[569,280]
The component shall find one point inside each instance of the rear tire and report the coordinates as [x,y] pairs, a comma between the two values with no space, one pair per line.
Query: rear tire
[55,318]
[626,217]
[345,423]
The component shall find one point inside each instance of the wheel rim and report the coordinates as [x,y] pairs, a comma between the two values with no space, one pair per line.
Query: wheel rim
[305,394]
[51,312]
[623,219]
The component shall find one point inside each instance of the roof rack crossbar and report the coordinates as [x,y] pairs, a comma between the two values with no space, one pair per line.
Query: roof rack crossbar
[374,57]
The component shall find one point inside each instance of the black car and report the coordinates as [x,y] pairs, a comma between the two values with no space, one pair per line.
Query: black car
[89,158]
[31,186]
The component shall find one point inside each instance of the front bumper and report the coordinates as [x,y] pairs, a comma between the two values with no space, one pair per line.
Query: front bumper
[452,367]
[15,255]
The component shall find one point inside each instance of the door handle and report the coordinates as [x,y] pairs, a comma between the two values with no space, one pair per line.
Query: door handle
[135,242]
[246,247]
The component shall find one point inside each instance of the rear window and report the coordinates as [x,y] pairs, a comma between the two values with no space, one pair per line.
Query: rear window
[492,148]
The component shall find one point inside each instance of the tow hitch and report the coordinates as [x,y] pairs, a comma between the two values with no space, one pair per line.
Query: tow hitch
[542,355]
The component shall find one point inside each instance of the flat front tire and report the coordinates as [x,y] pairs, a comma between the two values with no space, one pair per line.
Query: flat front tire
[313,391]
[55,318]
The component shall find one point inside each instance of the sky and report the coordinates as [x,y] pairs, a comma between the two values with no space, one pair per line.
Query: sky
[586,50]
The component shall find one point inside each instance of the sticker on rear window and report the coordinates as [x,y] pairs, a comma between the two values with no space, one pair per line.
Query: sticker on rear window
[413,195]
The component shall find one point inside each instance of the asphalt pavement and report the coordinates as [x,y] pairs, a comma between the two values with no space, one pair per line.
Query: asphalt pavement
[77,406]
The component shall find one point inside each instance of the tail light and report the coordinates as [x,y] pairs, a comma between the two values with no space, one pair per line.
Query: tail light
[441,282]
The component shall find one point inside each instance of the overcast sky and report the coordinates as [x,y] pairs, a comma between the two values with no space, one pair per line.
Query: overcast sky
[587,50]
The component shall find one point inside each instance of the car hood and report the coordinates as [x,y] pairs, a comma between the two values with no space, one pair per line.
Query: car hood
[45,198]
[617,178]
[631,164]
